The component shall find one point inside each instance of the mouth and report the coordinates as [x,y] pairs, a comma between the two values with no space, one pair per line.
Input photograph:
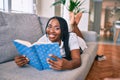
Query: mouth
[52,36]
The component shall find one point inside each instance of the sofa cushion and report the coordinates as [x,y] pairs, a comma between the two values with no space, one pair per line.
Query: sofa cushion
[43,22]
[2,20]
[18,26]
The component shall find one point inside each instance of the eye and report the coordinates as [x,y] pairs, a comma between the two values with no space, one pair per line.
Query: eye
[49,26]
[57,28]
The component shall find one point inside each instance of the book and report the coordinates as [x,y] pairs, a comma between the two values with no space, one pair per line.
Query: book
[37,53]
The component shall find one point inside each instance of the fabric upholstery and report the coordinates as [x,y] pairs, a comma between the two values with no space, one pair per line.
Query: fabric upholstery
[2,20]
[43,22]
[90,36]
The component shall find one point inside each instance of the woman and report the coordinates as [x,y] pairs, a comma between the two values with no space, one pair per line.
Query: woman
[57,31]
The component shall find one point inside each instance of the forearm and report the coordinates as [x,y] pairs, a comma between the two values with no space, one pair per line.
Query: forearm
[72,64]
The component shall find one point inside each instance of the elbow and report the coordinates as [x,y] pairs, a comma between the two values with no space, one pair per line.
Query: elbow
[78,64]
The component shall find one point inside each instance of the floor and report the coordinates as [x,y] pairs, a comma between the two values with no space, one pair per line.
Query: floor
[108,69]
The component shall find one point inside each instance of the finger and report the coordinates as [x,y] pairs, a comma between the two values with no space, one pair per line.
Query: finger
[55,67]
[20,59]
[53,56]
[54,64]
[51,62]
[21,64]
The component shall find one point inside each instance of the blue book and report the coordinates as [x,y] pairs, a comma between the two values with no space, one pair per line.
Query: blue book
[37,53]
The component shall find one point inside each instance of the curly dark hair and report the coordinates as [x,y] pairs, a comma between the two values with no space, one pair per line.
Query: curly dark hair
[64,34]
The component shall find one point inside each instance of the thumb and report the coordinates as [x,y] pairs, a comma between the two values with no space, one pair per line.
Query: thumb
[55,57]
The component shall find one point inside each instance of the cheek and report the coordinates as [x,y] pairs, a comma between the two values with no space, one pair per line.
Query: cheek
[47,30]
[59,33]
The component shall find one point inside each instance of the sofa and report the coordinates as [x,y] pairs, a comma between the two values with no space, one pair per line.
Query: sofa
[31,27]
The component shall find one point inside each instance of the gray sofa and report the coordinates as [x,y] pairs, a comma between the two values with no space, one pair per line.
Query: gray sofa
[31,27]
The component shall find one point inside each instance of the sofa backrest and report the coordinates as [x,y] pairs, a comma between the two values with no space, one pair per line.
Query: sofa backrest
[17,26]
[43,22]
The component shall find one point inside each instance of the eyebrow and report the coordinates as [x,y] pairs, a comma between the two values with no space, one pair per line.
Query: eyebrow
[55,25]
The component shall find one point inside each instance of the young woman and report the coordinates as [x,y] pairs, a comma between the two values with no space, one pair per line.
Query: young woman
[57,31]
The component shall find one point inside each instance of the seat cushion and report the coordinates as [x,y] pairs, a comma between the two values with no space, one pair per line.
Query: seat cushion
[18,26]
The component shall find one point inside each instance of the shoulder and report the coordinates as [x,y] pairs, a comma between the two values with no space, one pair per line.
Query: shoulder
[44,38]
[72,36]
[73,40]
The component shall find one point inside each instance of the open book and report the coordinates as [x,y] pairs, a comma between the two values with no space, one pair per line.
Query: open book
[37,53]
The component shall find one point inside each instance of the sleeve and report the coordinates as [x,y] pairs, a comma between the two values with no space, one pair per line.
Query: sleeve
[41,39]
[82,43]
[73,41]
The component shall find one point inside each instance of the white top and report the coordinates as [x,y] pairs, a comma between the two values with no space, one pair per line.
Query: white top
[75,42]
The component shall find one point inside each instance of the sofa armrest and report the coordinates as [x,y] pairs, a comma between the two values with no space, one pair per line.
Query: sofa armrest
[89,36]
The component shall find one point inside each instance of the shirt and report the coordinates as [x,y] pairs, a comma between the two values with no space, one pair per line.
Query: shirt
[73,42]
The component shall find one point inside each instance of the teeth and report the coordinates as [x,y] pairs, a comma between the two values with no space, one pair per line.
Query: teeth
[51,35]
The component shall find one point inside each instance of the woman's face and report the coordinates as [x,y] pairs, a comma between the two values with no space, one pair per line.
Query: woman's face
[53,30]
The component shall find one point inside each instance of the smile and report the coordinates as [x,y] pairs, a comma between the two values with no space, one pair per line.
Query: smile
[51,35]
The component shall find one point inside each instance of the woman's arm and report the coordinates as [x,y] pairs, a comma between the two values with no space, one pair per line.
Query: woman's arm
[76,58]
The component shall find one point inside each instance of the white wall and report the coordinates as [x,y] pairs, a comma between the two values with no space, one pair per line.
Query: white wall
[83,24]
[44,8]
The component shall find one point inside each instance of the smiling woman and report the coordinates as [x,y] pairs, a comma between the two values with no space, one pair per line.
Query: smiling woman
[57,31]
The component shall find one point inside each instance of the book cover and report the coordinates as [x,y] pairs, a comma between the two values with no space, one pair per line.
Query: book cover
[43,51]
[37,53]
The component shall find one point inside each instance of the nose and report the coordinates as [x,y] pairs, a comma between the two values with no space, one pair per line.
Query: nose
[52,30]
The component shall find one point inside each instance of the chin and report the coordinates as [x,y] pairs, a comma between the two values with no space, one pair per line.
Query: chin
[52,40]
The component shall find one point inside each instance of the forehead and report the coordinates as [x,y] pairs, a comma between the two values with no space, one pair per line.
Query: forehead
[54,21]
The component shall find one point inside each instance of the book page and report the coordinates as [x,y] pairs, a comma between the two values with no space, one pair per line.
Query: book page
[37,43]
[27,43]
